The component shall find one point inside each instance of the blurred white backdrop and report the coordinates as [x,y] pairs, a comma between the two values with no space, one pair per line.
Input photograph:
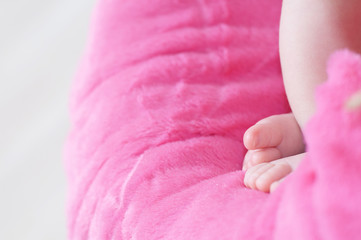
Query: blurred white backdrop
[41,43]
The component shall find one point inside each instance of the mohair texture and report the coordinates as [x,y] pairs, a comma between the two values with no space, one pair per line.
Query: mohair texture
[159,107]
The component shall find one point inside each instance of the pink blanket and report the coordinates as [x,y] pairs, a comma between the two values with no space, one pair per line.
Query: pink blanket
[159,108]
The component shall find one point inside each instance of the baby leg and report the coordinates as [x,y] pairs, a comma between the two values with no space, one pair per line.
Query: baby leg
[305,45]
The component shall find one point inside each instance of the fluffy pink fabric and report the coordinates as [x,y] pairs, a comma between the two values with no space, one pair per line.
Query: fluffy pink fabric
[159,108]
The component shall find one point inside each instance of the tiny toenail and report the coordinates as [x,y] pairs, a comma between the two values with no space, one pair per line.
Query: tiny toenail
[249,164]
[247,160]
[244,168]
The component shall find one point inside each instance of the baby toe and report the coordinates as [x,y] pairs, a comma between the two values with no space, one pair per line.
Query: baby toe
[255,157]
[272,175]
[253,173]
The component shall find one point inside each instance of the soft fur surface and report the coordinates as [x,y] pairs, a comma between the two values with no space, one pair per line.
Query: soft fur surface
[162,99]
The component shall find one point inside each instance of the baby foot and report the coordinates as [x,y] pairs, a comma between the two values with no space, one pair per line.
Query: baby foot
[274,138]
[267,176]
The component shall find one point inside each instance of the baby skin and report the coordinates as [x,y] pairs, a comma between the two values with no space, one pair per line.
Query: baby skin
[275,148]
[310,30]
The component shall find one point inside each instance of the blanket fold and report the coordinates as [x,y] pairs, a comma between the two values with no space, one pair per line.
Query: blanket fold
[164,95]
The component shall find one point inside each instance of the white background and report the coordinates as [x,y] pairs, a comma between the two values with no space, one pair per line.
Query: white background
[41,42]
